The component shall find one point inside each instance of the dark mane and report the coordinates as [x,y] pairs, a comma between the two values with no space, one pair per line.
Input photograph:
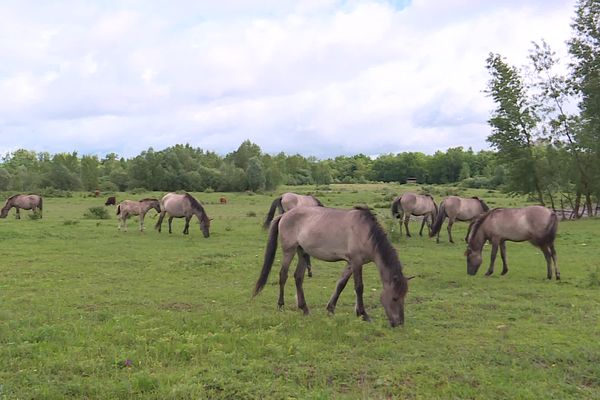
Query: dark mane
[319,204]
[476,224]
[195,203]
[483,205]
[381,242]
[148,199]
[13,196]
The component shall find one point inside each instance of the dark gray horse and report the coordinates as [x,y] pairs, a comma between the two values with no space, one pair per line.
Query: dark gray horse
[133,207]
[536,224]
[183,206]
[456,209]
[25,201]
[414,204]
[329,234]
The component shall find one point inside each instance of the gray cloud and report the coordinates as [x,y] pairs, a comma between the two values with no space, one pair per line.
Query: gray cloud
[317,77]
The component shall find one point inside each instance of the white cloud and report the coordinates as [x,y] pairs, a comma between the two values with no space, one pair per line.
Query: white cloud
[316,77]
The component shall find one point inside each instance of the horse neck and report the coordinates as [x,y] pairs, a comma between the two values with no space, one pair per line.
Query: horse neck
[477,239]
[388,267]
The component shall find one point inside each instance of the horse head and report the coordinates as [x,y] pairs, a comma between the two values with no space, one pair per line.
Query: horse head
[392,299]
[474,260]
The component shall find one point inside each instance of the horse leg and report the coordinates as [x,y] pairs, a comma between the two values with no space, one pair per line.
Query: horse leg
[160,220]
[553,252]
[141,222]
[503,255]
[299,278]
[170,222]
[288,255]
[548,257]
[308,266]
[18,213]
[401,219]
[186,230]
[346,273]
[358,288]
[406,218]
[449,228]
[423,224]
[492,259]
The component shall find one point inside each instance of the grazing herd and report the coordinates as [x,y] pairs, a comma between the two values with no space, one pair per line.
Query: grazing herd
[308,229]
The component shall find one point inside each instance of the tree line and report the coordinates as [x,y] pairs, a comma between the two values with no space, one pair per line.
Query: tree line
[183,167]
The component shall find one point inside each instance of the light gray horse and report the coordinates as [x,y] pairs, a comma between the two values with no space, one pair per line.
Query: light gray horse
[414,204]
[330,234]
[133,207]
[536,224]
[286,202]
[180,206]
[25,201]
[456,209]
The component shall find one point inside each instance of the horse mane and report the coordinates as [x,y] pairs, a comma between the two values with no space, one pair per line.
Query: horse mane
[148,199]
[477,222]
[381,242]
[483,205]
[195,203]
[319,204]
[13,196]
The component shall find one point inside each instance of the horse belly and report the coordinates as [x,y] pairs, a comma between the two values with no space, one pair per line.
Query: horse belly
[326,249]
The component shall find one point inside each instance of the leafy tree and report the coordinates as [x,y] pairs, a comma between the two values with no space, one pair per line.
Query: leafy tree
[513,125]
[89,172]
[255,174]
[5,178]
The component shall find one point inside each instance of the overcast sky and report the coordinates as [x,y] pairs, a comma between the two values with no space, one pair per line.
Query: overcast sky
[315,77]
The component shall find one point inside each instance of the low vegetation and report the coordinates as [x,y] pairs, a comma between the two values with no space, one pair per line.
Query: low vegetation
[89,312]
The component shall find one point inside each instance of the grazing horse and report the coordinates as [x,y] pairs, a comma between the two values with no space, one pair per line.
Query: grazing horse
[111,201]
[183,205]
[536,224]
[414,204]
[222,200]
[286,202]
[456,209]
[25,201]
[330,234]
[132,207]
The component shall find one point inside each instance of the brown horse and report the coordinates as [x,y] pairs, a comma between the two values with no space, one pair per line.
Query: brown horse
[286,202]
[414,204]
[330,234]
[132,207]
[111,201]
[456,209]
[183,205]
[536,224]
[25,201]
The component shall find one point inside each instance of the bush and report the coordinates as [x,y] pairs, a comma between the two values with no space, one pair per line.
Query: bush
[96,213]
[477,182]
[52,192]
[138,190]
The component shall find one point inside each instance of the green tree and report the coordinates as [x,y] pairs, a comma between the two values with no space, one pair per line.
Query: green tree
[255,174]
[89,172]
[513,125]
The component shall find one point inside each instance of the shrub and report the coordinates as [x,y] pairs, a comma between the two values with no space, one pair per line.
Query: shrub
[96,213]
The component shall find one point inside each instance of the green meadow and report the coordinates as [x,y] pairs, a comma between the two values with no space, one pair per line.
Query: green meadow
[88,312]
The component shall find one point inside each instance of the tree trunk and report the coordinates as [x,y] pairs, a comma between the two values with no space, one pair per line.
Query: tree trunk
[577,204]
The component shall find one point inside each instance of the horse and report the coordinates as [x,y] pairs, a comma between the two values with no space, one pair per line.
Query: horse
[286,202]
[132,207]
[183,205]
[414,204]
[536,224]
[222,200]
[331,235]
[456,208]
[111,201]
[25,201]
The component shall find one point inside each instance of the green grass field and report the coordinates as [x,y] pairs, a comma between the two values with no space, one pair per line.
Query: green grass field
[87,312]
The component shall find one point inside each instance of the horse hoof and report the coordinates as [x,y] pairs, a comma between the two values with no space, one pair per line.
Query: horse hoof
[489,273]
[280,307]
[366,318]
[310,274]
[504,272]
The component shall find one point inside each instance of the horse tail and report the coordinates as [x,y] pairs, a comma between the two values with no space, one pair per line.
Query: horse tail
[397,207]
[118,209]
[269,256]
[552,227]
[439,220]
[276,204]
